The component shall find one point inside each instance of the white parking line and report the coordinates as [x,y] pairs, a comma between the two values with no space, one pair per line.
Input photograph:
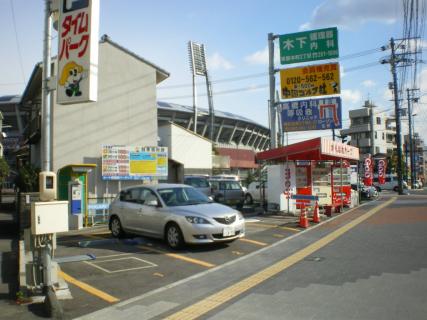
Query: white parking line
[96,265]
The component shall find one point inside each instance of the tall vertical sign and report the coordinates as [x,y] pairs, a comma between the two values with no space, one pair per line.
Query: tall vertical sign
[368,168]
[382,166]
[78,51]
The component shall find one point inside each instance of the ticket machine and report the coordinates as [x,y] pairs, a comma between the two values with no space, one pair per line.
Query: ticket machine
[75,193]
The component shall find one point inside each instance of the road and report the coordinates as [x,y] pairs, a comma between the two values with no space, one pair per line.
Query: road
[369,263]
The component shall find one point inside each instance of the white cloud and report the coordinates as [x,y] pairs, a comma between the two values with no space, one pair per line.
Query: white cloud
[369,83]
[351,96]
[258,57]
[350,13]
[216,62]
[387,95]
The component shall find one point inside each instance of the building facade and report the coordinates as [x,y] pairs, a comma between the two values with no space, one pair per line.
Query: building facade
[373,132]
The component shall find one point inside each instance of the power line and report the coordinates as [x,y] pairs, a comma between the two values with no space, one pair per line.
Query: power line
[17,42]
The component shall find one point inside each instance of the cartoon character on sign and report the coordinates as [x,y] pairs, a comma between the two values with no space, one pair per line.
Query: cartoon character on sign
[71,76]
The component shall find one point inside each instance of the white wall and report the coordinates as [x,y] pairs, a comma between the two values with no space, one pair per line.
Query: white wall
[193,151]
[125,114]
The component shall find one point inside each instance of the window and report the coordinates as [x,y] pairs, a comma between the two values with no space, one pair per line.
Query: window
[376,135]
[367,134]
[130,195]
[378,120]
[147,196]
[383,136]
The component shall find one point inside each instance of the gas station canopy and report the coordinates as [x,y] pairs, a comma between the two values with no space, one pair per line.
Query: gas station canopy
[320,149]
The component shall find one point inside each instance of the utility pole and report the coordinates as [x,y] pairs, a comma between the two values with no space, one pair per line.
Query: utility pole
[272,105]
[411,138]
[393,62]
[371,123]
[211,107]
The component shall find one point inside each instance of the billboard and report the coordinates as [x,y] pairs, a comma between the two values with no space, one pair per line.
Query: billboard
[310,45]
[77,51]
[310,81]
[313,114]
[133,162]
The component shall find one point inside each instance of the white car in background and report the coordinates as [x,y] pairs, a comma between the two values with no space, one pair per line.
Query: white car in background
[255,192]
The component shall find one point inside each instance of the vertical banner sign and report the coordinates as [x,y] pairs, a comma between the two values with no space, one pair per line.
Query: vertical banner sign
[368,166]
[309,46]
[382,166]
[287,190]
[78,51]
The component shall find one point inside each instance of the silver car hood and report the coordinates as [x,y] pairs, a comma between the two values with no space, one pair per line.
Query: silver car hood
[209,210]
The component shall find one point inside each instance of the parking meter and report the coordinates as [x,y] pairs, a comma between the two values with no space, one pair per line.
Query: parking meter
[75,197]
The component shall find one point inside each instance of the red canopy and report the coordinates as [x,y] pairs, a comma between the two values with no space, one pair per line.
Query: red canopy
[314,149]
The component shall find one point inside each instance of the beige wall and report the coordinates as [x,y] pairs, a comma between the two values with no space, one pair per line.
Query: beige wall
[193,151]
[125,114]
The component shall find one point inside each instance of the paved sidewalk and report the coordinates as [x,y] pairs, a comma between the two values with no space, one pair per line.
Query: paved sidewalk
[165,301]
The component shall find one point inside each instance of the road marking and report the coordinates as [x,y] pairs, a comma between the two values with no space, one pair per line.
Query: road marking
[88,288]
[259,243]
[272,226]
[180,257]
[278,235]
[204,306]
[96,264]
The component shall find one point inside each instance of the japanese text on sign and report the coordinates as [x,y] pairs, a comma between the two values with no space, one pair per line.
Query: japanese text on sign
[77,51]
[314,114]
[309,46]
[317,80]
[133,163]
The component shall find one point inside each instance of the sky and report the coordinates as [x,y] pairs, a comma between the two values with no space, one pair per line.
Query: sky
[235,37]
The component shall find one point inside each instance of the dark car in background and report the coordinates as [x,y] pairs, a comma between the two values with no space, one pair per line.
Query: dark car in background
[229,192]
[199,182]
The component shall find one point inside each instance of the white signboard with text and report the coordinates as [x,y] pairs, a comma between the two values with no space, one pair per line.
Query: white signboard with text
[77,51]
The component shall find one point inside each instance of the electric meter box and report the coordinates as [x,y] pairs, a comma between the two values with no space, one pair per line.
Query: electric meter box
[49,217]
[47,186]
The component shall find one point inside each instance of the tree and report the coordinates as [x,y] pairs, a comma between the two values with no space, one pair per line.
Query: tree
[4,173]
[28,178]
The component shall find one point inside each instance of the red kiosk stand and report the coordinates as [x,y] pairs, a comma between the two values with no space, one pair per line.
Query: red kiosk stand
[318,167]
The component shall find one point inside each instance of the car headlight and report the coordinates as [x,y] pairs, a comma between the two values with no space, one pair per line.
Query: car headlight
[197,220]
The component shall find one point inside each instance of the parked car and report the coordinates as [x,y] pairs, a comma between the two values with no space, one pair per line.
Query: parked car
[391,183]
[255,192]
[200,182]
[229,192]
[175,212]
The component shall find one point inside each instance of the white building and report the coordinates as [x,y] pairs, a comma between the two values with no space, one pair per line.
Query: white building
[371,131]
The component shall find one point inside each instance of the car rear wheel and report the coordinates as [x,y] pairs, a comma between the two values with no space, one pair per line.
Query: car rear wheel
[174,236]
[116,228]
[248,199]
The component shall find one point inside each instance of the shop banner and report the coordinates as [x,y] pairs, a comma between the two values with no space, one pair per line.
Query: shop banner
[382,166]
[368,166]
[78,51]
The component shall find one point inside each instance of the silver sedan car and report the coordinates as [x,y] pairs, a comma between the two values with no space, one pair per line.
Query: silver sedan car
[175,212]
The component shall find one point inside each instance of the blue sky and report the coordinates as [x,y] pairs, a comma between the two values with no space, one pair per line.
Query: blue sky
[235,38]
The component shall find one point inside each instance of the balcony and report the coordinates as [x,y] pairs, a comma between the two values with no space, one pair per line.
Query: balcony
[356,129]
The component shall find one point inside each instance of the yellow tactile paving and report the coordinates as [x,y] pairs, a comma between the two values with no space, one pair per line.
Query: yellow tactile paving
[202,307]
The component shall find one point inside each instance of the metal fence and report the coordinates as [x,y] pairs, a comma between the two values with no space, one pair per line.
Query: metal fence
[98,210]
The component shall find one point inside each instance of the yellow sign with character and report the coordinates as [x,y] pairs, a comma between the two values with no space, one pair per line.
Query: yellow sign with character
[310,81]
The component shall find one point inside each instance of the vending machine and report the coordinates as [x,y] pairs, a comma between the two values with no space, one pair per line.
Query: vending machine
[321,177]
[341,183]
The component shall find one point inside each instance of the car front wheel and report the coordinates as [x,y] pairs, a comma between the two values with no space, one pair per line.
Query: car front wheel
[248,199]
[116,228]
[174,236]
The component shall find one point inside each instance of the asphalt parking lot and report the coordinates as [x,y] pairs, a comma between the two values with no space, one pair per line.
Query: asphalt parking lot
[124,268]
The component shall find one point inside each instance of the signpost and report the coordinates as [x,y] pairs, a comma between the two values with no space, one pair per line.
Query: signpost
[313,114]
[309,81]
[78,51]
[311,45]
[133,162]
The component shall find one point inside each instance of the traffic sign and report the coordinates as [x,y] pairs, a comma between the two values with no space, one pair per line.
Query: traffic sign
[311,45]
[309,81]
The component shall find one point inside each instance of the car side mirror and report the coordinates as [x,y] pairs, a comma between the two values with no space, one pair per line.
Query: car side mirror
[153,203]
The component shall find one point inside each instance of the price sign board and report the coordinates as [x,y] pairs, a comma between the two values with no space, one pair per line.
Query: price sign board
[309,81]
[310,45]
[133,162]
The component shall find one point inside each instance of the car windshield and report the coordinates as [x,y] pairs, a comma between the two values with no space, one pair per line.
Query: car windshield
[174,197]
[197,182]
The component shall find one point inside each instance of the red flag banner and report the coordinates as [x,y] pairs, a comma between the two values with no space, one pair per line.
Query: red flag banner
[368,171]
[382,166]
